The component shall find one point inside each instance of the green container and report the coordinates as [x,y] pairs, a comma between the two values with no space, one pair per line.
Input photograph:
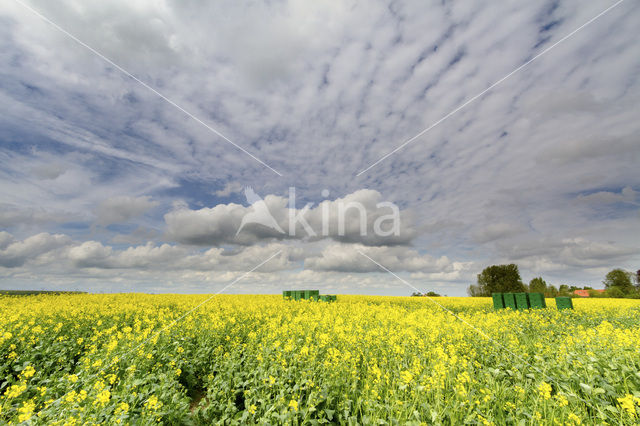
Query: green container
[310,294]
[536,300]
[509,300]
[564,302]
[333,297]
[498,301]
[286,294]
[296,294]
[522,301]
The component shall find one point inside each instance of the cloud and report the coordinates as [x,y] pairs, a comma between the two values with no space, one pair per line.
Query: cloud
[229,188]
[122,209]
[347,258]
[361,217]
[556,254]
[626,195]
[5,239]
[62,253]
[496,231]
[18,252]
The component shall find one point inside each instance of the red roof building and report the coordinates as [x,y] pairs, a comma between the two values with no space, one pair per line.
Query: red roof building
[585,293]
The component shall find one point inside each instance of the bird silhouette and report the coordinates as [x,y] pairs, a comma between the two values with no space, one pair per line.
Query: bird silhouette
[260,214]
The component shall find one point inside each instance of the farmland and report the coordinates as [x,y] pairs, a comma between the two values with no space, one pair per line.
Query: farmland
[135,358]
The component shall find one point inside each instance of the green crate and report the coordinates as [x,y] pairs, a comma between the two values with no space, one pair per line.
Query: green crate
[310,294]
[509,300]
[564,302]
[333,297]
[536,300]
[498,301]
[286,294]
[522,301]
[296,295]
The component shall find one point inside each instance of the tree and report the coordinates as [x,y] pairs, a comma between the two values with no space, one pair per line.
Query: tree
[498,279]
[619,278]
[614,291]
[537,285]
[475,291]
[551,291]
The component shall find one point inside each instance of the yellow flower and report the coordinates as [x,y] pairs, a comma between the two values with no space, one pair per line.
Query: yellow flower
[28,372]
[293,404]
[406,376]
[575,419]
[122,407]
[252,409]
[72,378]
[16,390]
[628,405]
[70,397]
[153,403]
[545,390]
[26,411]
[562,401]
[103,397]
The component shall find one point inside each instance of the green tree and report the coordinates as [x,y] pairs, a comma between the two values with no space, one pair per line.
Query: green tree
[619,278]
[537,285]
[551,291]
[475,291]
[498,279]
[614,291]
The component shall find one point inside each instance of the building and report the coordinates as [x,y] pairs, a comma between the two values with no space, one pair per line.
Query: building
[585,293]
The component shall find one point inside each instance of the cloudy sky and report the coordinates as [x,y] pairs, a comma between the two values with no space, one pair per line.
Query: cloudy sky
[129,131]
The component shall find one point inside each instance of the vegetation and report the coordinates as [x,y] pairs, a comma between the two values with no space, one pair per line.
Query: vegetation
[427,294]
[143,359]
[537,285]
[619,278]
[498,279]
[506,279]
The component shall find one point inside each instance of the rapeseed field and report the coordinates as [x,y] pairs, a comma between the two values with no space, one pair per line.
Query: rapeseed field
[142,359]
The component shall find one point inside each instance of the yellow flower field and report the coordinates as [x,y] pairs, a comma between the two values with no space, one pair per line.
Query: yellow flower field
[135,358]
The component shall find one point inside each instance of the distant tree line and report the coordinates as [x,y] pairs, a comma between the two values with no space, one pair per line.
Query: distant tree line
[506,279]
[427,294]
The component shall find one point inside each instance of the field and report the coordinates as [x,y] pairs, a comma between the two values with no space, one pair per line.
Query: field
[75,359]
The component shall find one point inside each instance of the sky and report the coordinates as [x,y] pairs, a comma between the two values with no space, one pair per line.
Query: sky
[130,132]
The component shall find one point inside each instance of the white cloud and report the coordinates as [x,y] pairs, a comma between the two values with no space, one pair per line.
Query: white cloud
[347,258]
[18,252]
[352,218]
[496,231]
[557,254]
[122,209]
